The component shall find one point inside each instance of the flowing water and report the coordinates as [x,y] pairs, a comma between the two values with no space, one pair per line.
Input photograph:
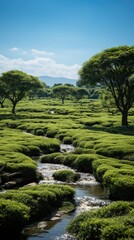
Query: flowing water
[89,195]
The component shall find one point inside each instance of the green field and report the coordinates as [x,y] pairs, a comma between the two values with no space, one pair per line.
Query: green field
[102,147]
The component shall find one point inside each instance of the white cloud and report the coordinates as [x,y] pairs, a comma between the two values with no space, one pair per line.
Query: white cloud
[14,49]
[40,53]
[39,66]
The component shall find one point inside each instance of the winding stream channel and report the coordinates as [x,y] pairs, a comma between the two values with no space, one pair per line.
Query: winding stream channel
[89,195]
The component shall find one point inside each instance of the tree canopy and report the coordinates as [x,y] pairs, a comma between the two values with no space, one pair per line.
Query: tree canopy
[16,84]
[79,93]
[113,68]
[62,91]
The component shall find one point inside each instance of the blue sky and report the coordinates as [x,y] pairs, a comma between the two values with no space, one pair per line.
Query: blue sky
[54,37]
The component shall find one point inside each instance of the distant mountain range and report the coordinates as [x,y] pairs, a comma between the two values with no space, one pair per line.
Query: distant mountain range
[50,81]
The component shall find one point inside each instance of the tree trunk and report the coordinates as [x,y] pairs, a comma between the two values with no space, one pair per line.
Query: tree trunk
[2,105]
[13,108]
[125,117]
[62,100]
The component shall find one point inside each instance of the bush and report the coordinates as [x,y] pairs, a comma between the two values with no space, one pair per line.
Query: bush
[18,162]
[52,158]
[27,204]
[51,133]
[39,132]
[118,186]
[13,217]
[116,231]
[67,140]
[109,223]
[83,163]
[69,159]
[66,175]
[117,177]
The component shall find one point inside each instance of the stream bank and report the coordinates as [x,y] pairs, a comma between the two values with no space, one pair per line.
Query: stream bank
[89,195]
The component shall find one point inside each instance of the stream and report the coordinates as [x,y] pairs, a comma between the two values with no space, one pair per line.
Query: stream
[89,195]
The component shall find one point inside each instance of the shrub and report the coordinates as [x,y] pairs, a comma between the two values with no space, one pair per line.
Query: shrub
[13,217]
[112,222]
[115,209]
[51,133]
[39,132]
[18,162]
[67,140]
[69,159]
[118,186]
[27,204]
[52,158]
[112,232]
[83,162]
[66,175]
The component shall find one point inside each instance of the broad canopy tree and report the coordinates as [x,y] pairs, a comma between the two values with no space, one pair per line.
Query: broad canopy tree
[80,93]
[16,84]
[113,69]
[62,91]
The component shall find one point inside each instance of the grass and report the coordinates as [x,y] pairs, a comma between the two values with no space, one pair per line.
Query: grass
[107,223]
[25,205]
[102,147]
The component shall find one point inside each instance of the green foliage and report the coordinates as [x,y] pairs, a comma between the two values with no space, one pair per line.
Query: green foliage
[90,128]
[83,162]
[52,158]
[112,68]
[112,222]
[69,159]
[13,217]
[67,207]
[116,177]
[27,204]
[119,185]
[67,140]
[16,84]
[39,132]
[62,91]
[66,175]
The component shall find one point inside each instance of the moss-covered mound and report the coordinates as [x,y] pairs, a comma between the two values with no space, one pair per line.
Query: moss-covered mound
[27,204]
[66,175]
[113,222]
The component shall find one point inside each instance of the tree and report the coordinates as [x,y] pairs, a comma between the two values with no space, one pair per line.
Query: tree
[2,95]
[113,68]
[106,99]
[62,91]
[37,86]
[16,84]
[79,93]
